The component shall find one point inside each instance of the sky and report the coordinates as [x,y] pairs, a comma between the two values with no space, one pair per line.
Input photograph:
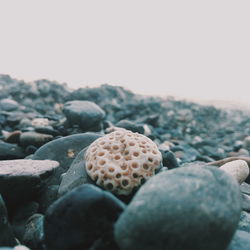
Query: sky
[193,49]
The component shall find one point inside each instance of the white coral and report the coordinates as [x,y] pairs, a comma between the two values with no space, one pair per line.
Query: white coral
[122,160]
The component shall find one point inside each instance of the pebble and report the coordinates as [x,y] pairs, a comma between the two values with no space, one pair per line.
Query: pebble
[8,105]
[34,233]
[20,217]
[238,169]
[240,241]
[34,138]
[10,151]
[79,218]
[64,150]
[75,176]
[87,115]
[21,179]
[244,223]
[205,200]
[6,234]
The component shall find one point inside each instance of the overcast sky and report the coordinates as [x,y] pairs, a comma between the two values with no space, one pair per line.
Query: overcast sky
[194,49]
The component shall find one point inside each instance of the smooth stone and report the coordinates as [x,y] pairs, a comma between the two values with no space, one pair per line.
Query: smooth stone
[245,188]
[47,197]
[33,236]
[10,151]
[75,176]
[6,235]
[19,247]
[64,150]
[244,223]
[8,105]
[245,202]
[21,180]
[240,241]
[183,208]
[87,115]
[34,138]
[246,143]
[132,126]
[20,217]
[169,160]
[238,169]
[79,218]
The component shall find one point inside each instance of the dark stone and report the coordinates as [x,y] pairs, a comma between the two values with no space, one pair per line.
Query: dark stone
[47,130]
[33,236]
[75,176]
[34,138]
[79,218]
[87,115]
[240,241]
[169,160]
[184,208]
[6,234]
[21,180]
[132,126]
[48,196]
[10,151]
[64,150]
[20,217]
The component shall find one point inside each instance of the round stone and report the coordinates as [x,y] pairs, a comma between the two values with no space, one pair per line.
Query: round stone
[194,208]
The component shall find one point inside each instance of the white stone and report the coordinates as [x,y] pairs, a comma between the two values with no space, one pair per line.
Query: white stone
[238,169]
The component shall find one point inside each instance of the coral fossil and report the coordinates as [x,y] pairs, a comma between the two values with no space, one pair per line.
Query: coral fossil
[122,160]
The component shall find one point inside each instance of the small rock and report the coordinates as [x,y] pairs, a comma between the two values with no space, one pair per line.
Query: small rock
[238,169]
[244,223]
[47,197]
[20,180]
[184,208]
[34,138]
[246,143]
[75,176]
[21,216]
[79,218]
[132,126]
[14,137]
[33,236]
[240,241]
[6,234]
[246,202]
[87,115]
[169,160]
[10,151]
[40,122]
[8,105]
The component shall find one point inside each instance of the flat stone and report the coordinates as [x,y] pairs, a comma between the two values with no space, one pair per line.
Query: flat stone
[20,180]
[194,208]
[34,138]
[10,151]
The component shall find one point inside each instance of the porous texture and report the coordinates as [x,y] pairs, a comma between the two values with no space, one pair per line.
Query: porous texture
[122,160]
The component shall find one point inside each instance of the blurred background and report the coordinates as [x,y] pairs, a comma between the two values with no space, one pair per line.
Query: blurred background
[198,50]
